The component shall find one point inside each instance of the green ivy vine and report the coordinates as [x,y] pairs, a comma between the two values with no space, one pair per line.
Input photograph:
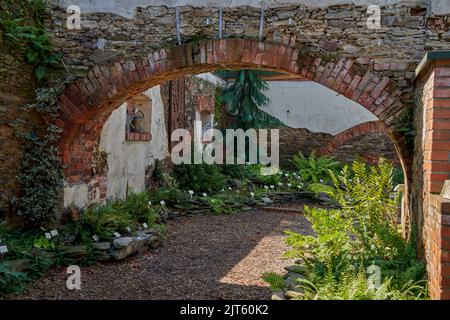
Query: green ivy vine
[41,175]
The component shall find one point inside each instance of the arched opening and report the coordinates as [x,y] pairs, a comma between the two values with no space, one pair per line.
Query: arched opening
[87,103]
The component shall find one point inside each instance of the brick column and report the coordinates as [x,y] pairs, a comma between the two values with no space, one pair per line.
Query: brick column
[433,74]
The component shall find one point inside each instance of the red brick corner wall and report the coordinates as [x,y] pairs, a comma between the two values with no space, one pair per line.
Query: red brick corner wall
[432,168]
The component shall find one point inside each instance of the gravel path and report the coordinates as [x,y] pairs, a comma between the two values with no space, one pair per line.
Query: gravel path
[203,257]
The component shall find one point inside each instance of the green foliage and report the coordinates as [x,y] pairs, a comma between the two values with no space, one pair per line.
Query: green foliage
[43,243]
[362,232]
[275,280]
[199,177]
[245,97]
[404,124]
[356,286]
[136,205]
[319,188]
[221,206]
[41,175]
[314,169]
[104,220]
[10,281]
[22,26]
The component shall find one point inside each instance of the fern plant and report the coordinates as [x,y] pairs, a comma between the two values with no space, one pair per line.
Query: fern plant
[11,281]
[315,169]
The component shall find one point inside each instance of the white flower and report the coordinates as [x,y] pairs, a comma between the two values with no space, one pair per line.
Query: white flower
[162,202]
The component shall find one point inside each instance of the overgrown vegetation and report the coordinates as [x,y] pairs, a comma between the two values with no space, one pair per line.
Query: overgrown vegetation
[404,124]
[315,169]
[363,232]
[22,24]
[41,177]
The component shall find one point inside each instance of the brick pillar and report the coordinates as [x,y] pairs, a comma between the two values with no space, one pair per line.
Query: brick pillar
[434,76]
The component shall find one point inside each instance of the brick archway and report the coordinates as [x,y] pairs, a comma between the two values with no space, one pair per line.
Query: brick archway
[86,103]
[342,137]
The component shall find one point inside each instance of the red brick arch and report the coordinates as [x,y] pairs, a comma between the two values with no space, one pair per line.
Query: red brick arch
[86,103]
[351,133]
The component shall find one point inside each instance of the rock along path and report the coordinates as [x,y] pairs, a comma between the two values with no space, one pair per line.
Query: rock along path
[203,257]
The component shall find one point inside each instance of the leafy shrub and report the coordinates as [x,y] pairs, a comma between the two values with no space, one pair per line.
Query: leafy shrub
[355,286]
[104,220]
[275,280]
[363,231]
[318,188]
[219,206]
[314,169]
[136,205]
[199,177]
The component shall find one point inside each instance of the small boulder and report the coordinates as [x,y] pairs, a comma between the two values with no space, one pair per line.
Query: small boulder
[292,281]
[123,242]
[297,268]
[18,265]
[294,294]
[278,295]
[75,252]
[101,245]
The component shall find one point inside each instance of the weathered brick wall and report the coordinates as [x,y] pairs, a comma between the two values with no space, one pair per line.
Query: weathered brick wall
[431,169]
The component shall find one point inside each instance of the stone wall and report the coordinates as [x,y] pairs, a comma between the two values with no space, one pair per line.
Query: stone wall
[368,144]
[16,89]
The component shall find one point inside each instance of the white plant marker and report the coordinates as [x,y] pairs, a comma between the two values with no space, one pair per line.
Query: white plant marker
[204,194]
[3,249]
[128,229]
[145,225]
[191,193]
[286,175]
[117,235]
[266,187]
[48,235]
[54,233]
[252,195]
[149,203]
[321,180]
[162,202]
[272,186]
[280,184]
[230,188]
[96,238]
[289,185]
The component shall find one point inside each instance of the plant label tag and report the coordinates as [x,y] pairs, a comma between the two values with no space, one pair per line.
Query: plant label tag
[204,194]
[128,229]
[48,235]
[96,238]
[117,235]
[54,233]
[145,225]
[3,249]
[162,202]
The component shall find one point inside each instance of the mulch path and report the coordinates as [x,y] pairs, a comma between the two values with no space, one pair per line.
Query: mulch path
[203,257]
